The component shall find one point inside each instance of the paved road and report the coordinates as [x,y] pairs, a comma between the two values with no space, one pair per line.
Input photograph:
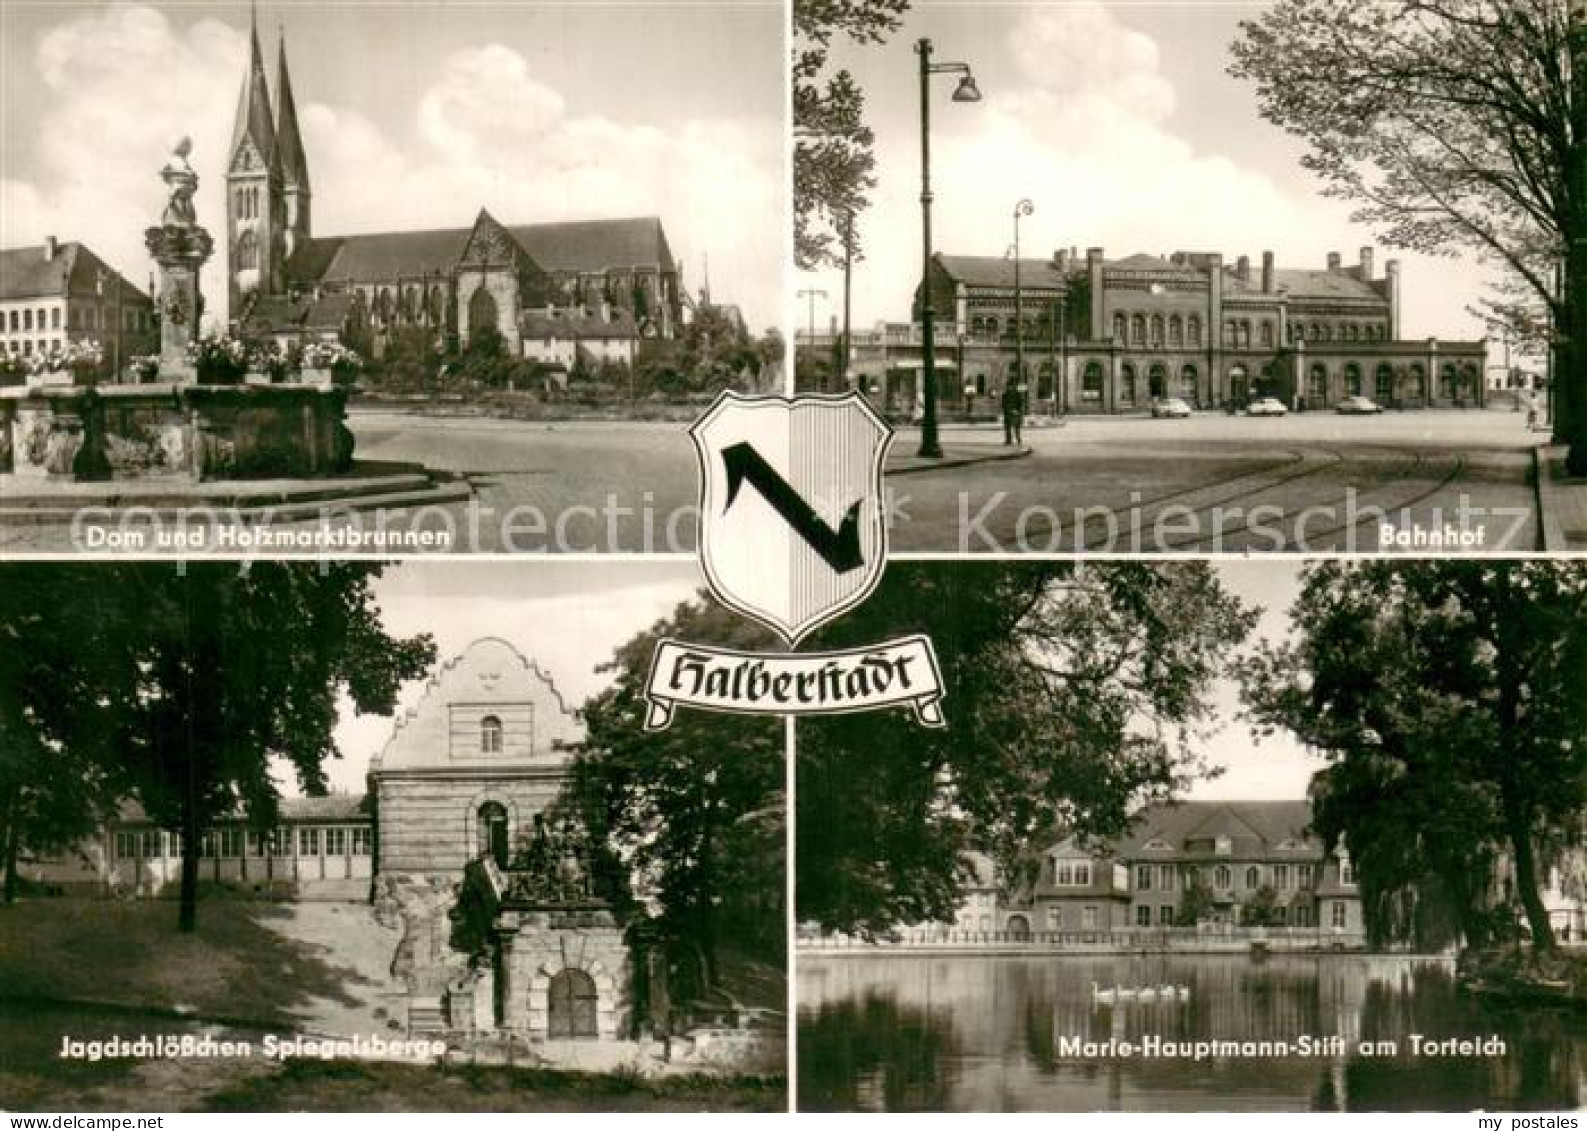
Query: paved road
[1313,482]
[563,487]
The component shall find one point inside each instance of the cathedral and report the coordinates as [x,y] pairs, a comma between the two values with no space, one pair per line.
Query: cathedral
[604,285]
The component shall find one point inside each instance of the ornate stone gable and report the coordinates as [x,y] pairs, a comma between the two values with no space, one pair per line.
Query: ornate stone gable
[490,246]
[490,679]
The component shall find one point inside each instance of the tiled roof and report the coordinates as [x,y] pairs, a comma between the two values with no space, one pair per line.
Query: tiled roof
[1252,825]
[304,312]
[570,322]
[992,271]
[74,269]
[335,807]
[586,245]
[593,245]
[1324,284]
[1149,263]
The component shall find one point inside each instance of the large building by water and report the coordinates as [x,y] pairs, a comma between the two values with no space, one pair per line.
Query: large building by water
[1194,863]
[1208,866]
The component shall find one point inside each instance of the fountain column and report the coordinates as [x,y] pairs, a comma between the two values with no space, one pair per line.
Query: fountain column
[180,247]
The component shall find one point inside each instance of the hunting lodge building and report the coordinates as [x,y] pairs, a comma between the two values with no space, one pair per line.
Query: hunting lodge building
[589,289]
[1103,336]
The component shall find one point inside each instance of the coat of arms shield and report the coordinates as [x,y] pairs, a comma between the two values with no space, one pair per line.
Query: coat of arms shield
[792,531]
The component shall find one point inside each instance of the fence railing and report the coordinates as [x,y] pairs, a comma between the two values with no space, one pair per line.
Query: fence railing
[1213,936]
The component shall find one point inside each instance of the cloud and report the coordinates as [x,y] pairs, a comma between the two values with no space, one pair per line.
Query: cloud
[484,133]
[122,86]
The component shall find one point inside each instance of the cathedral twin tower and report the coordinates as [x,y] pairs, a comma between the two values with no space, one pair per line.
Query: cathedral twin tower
[267,185]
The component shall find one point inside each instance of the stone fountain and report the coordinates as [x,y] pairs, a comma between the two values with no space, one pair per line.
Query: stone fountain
[177,426]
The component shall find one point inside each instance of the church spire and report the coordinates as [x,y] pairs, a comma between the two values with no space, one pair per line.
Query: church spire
[289,142]
[253,106]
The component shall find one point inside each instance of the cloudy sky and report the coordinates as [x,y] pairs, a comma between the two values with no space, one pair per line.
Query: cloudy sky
[1118,122]
[415,115]
[1278,766]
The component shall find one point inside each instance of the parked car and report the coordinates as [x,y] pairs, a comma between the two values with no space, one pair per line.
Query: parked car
[1266,406]
[1359,406]
[1170,407]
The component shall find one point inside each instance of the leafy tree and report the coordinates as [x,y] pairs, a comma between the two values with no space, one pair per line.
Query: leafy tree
[63,659]
[1261,910]
[1073,696]
[411,361]
[834,164]
[1195,903]
[691,816]
[1449,698]
[208,675]
[1418,884]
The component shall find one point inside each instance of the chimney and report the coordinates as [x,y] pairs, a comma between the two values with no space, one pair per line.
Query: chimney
[50,248]
[1391,271]
[1060,260]
[1242,268]
[1366,264]
[1094,277]
[1267,272]
[1333,261]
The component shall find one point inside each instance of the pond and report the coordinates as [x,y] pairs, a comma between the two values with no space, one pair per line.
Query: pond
[1311,1033]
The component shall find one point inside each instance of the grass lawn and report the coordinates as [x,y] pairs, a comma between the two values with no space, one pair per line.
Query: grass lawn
[233,966]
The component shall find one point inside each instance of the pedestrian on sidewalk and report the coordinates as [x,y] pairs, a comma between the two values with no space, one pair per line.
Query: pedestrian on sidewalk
[1013,404]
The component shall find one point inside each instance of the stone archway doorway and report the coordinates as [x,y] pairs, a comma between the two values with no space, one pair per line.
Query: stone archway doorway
[572,1005]
[481,311]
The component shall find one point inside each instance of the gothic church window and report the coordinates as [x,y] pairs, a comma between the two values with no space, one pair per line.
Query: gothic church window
[481,310]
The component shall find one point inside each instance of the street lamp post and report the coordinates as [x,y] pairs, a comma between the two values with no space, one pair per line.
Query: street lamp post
[810,325]
[930,445]
[844,363]
[1023,208]
[105,325]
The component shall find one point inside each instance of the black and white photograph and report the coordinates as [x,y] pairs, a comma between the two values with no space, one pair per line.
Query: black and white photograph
[1187,276]
[418,854]
[400,277]
[1205,836]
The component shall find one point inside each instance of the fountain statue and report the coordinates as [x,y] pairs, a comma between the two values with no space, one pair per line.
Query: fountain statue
[180,247]
[184,424]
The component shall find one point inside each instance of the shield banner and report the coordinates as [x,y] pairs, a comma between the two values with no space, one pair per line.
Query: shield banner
[791,525]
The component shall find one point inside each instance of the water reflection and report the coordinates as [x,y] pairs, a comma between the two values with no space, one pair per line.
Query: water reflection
[904,1033]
